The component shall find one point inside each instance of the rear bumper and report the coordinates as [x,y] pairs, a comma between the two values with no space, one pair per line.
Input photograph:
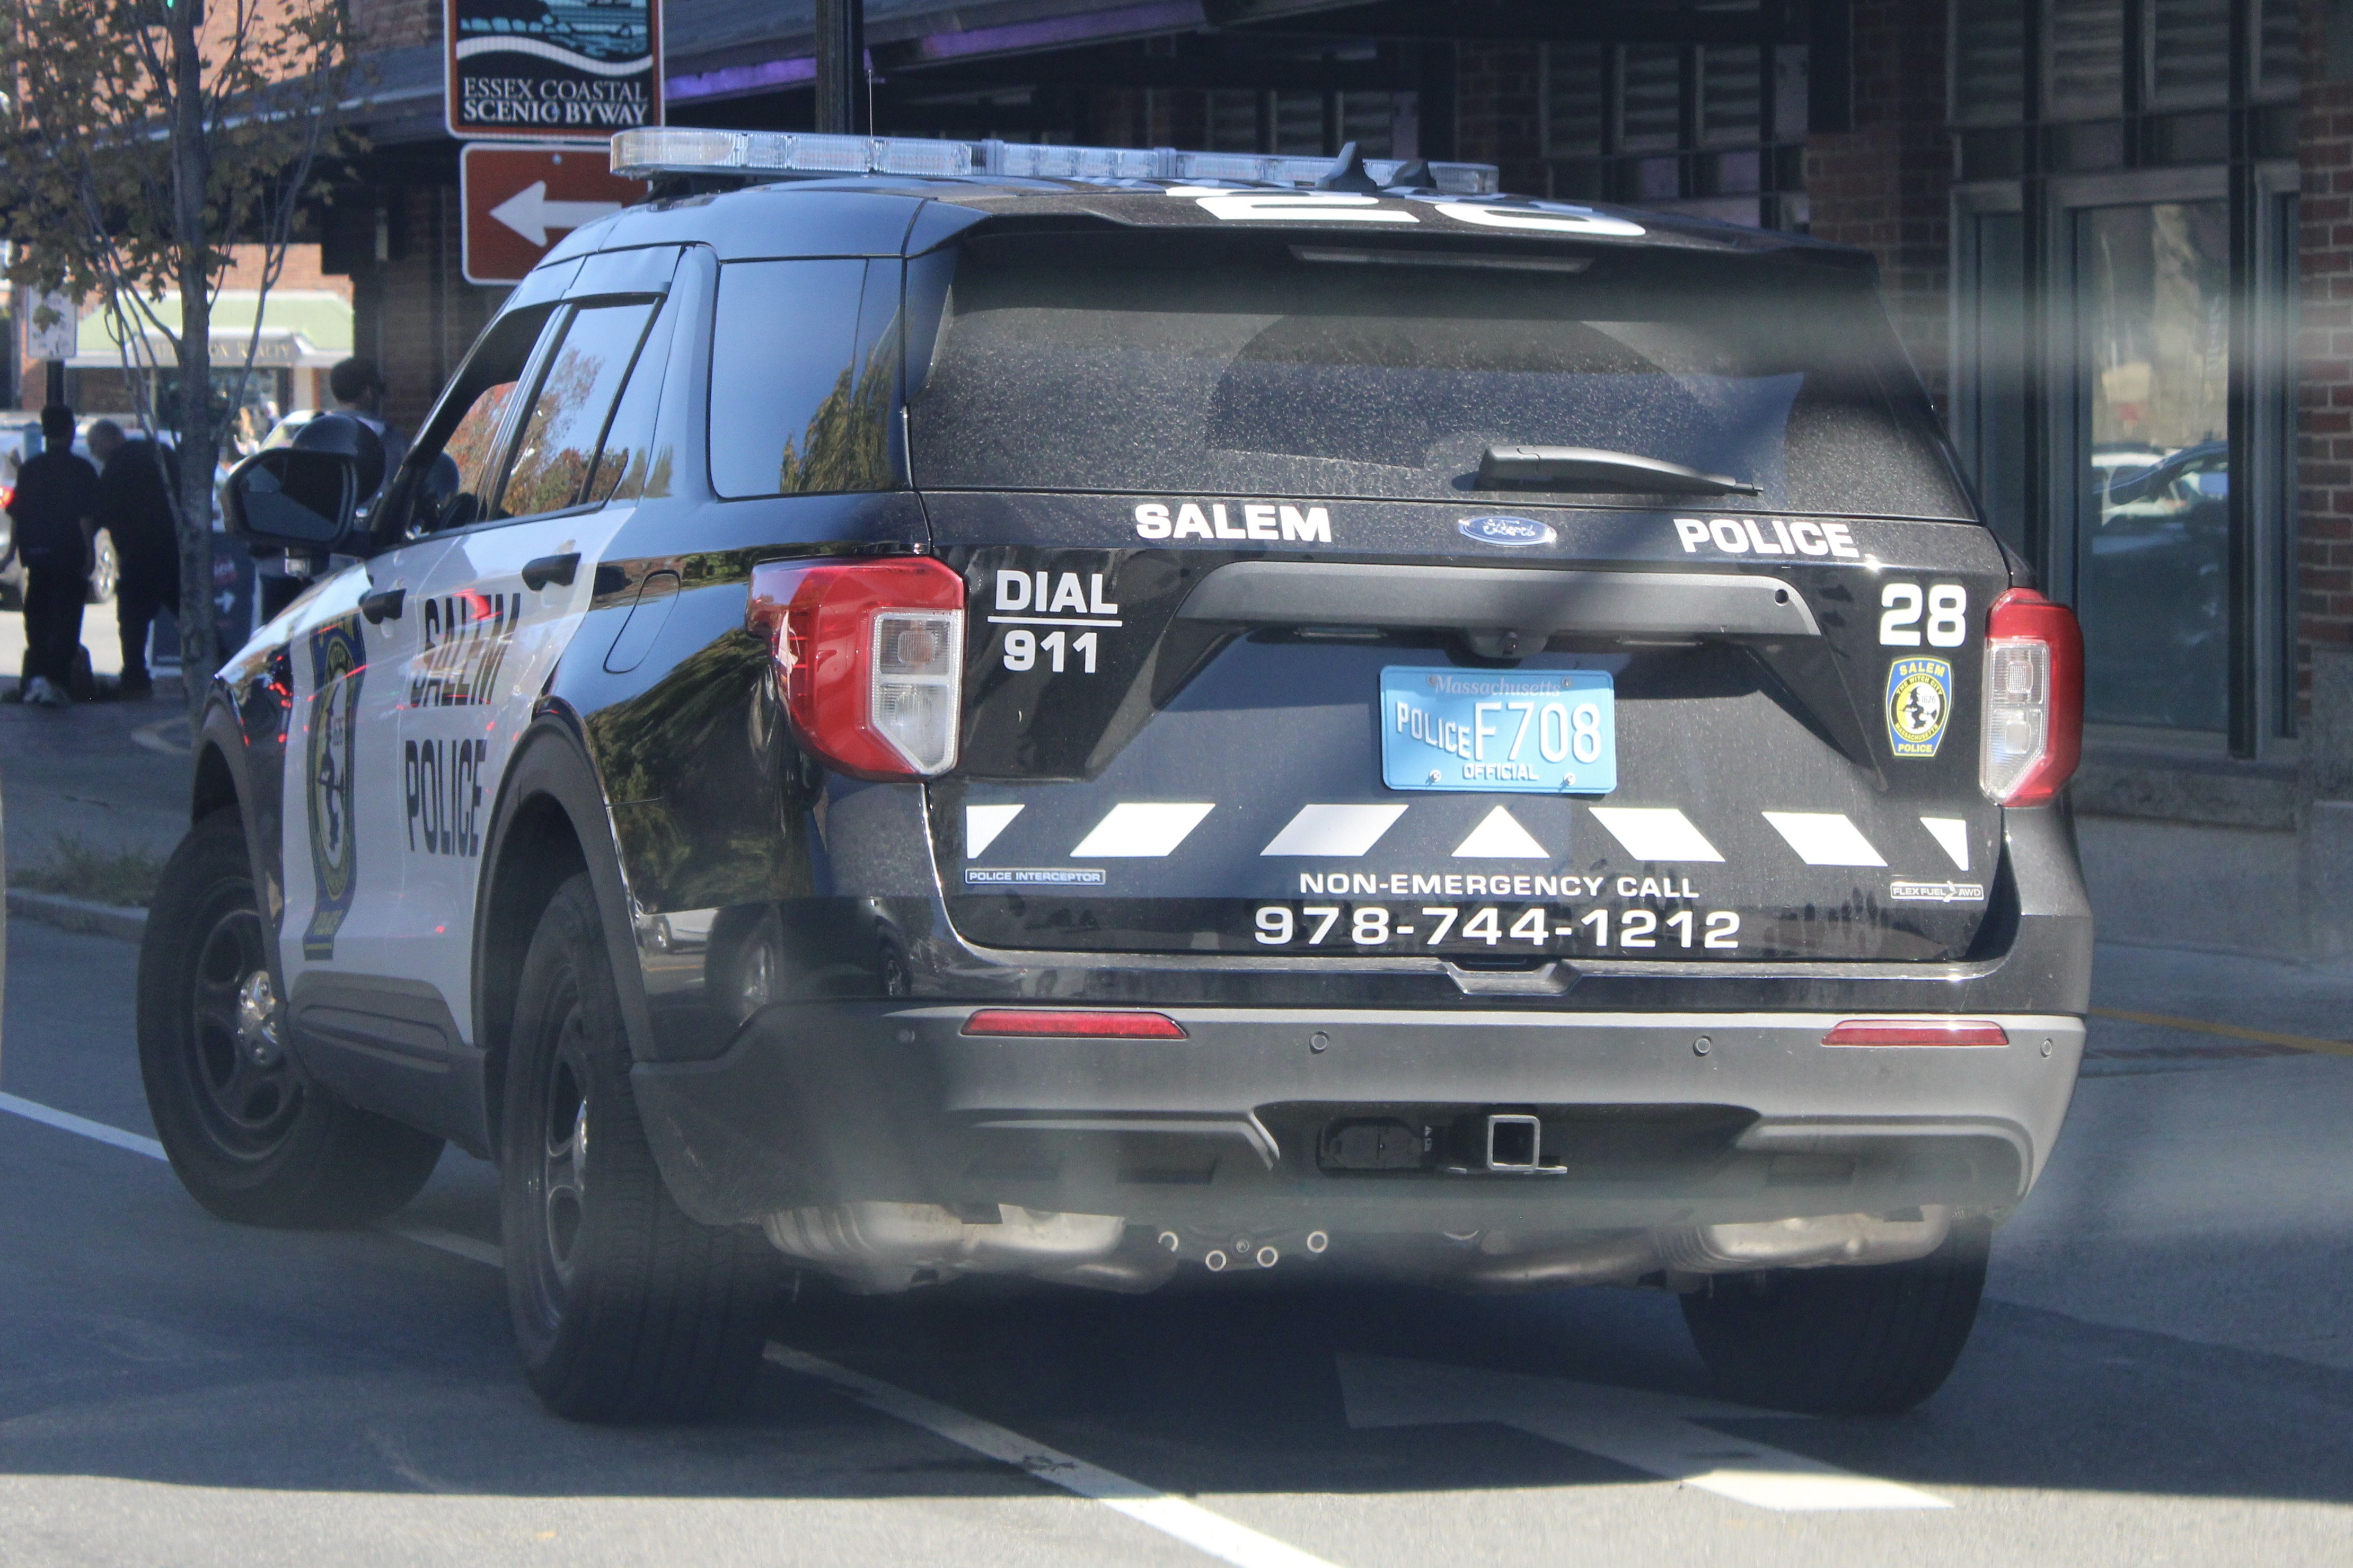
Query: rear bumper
[1231,1128]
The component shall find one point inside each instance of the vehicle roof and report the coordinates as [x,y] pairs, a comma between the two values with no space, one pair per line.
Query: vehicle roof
[898,215]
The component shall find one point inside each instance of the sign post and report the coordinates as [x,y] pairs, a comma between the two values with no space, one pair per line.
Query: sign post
[56,341]
[517,202]
[552,70]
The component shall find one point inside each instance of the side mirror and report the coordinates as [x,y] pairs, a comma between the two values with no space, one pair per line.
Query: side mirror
[307,495]
[300,500]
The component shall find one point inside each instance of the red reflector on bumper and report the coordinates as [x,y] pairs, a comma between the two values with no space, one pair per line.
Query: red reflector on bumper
[1917,1032]
[1074,1026]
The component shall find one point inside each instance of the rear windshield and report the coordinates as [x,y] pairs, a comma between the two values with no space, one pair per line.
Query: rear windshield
[1163,363]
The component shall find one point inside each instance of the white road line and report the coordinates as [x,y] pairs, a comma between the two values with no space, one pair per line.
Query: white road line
[1656,1432]
[115,1137]
[66,1122]
[1193,1525]
[447,1241]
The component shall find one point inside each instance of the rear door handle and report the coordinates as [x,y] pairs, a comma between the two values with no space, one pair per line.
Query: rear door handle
[549,569]
[383,603]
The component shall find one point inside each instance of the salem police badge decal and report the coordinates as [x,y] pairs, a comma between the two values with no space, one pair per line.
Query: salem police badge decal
[1919,700]
[338,664]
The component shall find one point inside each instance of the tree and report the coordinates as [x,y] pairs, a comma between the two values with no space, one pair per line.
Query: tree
[144,139]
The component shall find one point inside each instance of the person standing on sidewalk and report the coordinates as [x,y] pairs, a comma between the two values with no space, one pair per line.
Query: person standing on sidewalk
[54,509]
[135,481]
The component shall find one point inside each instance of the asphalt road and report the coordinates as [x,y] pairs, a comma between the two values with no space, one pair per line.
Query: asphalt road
[2164,1373]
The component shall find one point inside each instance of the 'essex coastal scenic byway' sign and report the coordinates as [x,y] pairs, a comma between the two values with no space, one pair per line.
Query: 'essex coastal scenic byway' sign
[573,70]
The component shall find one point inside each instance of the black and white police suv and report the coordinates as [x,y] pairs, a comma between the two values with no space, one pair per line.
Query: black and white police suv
[923,708]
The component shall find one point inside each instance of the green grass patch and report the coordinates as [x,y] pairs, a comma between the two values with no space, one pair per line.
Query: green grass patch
[102,873]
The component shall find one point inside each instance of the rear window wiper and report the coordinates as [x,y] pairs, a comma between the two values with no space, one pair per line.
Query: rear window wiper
[1590,468]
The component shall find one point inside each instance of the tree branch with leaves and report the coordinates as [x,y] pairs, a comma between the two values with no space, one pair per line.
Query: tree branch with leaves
[143,141]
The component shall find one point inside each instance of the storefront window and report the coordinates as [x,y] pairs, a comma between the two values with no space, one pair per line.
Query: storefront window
[2153,562]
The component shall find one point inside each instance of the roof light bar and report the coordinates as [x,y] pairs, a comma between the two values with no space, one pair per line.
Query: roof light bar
[645,154]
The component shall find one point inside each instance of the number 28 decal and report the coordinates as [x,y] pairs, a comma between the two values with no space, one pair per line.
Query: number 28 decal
[1900,604]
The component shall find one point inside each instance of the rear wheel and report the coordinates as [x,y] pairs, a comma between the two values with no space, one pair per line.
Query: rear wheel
[1861,1341]
[624,1308]
[251,1138]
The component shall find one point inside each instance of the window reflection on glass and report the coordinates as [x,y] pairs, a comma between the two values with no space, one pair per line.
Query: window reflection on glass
[2151,295]
[567,418]
[625,469]
[469,447]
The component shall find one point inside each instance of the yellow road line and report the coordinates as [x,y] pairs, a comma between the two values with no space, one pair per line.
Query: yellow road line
[2230,1031]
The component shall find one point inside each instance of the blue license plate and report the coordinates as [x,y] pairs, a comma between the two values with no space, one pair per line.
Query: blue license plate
[1537,732]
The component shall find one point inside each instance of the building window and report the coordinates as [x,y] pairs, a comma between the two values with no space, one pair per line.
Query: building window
[2279,50]
[1649,97]
[2084,60]
[1732,94]
[1575,100]
[2152,302]
[2189,53]
[1989,62]
[1713,128]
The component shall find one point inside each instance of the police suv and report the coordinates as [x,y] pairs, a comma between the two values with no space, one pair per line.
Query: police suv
[926,708]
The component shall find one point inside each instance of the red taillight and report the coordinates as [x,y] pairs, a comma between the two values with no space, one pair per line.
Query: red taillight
[2033,731]
[1037,1022]
[868,657]
[1917,1031]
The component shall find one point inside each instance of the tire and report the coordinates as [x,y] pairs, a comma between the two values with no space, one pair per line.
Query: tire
[1873,1339]
[625,1310]
[251,1138]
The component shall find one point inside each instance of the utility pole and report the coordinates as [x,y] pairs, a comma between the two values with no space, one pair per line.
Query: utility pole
[841,67]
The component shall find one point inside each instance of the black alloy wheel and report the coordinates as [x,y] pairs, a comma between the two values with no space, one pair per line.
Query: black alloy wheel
[244,1089]
[624,1309]
[251,1136]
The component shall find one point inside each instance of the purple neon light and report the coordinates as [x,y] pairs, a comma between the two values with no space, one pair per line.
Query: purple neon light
[1060,30]
[742,78]
[790,72]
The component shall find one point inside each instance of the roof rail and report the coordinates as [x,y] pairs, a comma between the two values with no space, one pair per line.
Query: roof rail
[654,152]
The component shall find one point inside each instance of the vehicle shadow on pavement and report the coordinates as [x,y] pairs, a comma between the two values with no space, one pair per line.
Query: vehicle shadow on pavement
[168,1347]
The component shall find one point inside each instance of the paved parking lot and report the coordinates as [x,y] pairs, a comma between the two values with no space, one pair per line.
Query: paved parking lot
[2163,1373]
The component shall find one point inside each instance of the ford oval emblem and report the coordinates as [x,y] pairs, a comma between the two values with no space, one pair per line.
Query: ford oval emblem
[1511,533]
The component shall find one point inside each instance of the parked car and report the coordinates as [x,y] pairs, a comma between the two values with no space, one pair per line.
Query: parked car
[2153,590]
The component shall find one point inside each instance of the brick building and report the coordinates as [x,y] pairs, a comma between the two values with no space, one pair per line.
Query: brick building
[2096,220]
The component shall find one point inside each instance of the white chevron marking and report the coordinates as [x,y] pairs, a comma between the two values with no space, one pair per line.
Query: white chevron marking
[1824,838]
[982,823]
[1655,833]
[1952,835]
[1500,837]
[1137,830]
[1335,830]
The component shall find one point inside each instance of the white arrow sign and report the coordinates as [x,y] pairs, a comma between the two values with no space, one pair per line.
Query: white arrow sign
[530,215]
[1656,1433]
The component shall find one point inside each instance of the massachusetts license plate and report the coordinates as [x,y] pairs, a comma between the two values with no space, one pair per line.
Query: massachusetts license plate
[1539,732]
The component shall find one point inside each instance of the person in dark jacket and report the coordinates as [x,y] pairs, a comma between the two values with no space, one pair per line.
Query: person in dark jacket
[54,509]
[135,483]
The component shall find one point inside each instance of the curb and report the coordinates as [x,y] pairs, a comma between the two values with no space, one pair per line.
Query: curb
[78,914]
